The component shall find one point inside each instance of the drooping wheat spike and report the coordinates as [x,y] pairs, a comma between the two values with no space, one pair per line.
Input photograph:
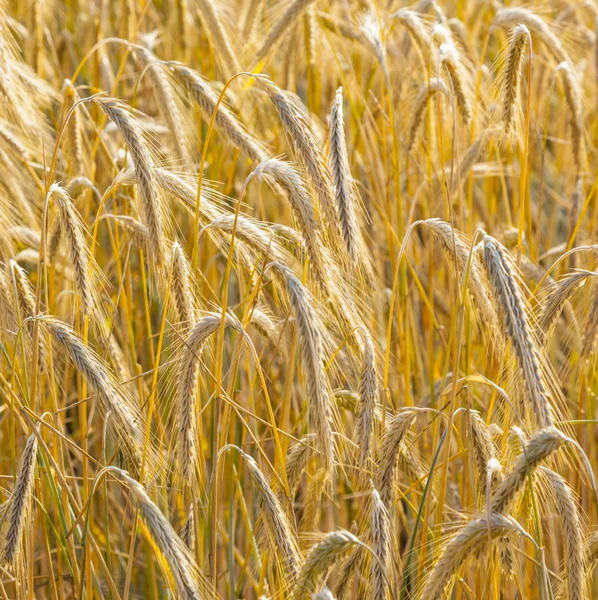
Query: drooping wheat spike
[368,401]
[288,18]
[558,296]
[167,102]
[380,534]
[372,35]
[189,582]
[298,457]
[320,558]
[456,248]
[572,533]
[514,316]
[512,75]
[418,32]
[226,121]
[25,297]
[478,148]
[220,39]
[8,314]
[151,203]
[264,321]
[341,27]
[282,537]
[344,191]
[128,423]
[19,506]
[298,129]
[72,233]
[185,423]
[508,17]
[181,289]
[450,58]
[573,97]
[136,230]
[320,409]
[289,179]
[539,447]
[485,452]
[392,438]
[422,101]
[469,539]
[72,145]
[187,533]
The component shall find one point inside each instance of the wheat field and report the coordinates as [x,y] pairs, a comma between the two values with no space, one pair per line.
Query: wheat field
[298,299]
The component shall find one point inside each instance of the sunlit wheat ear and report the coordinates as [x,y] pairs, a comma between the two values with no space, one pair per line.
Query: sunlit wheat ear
[509,17]
[8,316]
[485,453]
[380,536]
[167,102]
[368,401]
[344,191]
[513,315]
[321,557]
[185,422]
[280,531]
[512,75]
[226,121]
[540,446]
[559,294]
[181,288]
[124,415]
[574,102]
[289,17]
[392,438]
[298,128]
[136,230]
[189,582]
[372,35]
[72,144]
[324,594]
[73,235]
[572,533]
[308,326]
[422,101]
[187,533]
[151,202]
[209,15]
[19,505]
[469,539]
[449,57]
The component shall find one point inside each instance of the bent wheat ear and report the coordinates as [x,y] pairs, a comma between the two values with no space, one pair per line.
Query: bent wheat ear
[181,290]
[189,583]
[380,536]
[558,296]
[426,93]
[72,232]
[472,537]
[394,435]
[282,536]
[293,12]
[514,316]
[128,422]
[19,505]
[320,409]
[320,558]
[344,192]
[539,447]
[185,439]
[571,526]
[368,401]
[512,75]
[150,198]
[573,97]
[451,60]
